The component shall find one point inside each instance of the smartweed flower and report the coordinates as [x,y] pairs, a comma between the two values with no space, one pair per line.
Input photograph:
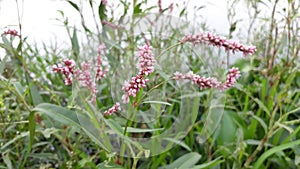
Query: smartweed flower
[113,109]
[146,67]
[210,82]
[67,70]
[83,75]
[100,73]
[214,40]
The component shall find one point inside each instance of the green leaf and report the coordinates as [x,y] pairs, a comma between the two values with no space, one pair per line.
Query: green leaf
[179,142]
[227,130]
[7,161]
[48,131]
[186,161]
[58,113]
[210,164]
[74,5]
[104,165]
[265,155]
[5,40]
[262,123]
[71,118]
[2,65]
[35,95]
[75,44]
[24,134]
[31,127]
[156,102]
[259,102]
[257,142]
[137,9]
[102,11]
[139,130]
[182,12]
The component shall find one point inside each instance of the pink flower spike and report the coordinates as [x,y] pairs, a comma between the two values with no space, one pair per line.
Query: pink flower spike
[146,60]
[232,76]
[85,78]
[113,109]
[67,70]
[146,67]
[201,82]
[100,73]
[214,40]
[210,82]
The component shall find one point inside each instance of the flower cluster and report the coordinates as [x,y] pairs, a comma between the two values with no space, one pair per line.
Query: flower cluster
[146,67]
[99,72]
[214,40]
[83,75]
[146,60]
[204,82]
[85,78]
[114,108]
[231,78]
[11,32]
[66,70]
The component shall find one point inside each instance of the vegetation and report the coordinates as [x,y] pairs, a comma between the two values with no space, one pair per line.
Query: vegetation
[49,122]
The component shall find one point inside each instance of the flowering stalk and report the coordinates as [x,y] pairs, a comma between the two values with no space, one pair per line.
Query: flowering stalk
[214,40]
[209,82]
[146,67]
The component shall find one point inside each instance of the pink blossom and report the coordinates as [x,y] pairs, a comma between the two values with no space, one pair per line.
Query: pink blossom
[114,108]
[214,40]
[11,32]
[83,75]
[146,60]
[231,78]
[99,72]
[210,82]
[67,70]
[146,67]
[201,82]
[132,87]
[85,78]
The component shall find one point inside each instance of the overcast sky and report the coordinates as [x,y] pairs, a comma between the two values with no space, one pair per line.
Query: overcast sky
[39,24]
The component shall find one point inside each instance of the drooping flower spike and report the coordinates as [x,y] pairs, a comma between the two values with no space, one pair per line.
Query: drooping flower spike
[210,39]
[209,82]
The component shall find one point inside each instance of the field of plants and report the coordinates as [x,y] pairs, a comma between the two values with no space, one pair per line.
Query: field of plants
[146,87]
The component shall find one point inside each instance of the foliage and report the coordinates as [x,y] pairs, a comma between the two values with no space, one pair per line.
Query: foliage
[44,124]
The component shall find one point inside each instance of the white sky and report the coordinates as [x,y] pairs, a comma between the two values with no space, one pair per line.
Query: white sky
[39,24]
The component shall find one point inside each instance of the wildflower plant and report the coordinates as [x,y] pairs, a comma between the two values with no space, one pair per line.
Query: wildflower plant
[152,85]
[140,90]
